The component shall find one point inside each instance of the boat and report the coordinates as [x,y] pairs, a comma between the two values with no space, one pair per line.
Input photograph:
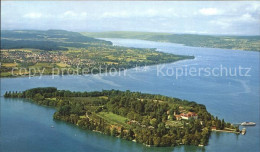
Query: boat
[52,126]
[248,124]
[243,132]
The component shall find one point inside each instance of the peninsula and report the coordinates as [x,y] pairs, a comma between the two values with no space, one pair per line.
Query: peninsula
[40,52]
[153,120]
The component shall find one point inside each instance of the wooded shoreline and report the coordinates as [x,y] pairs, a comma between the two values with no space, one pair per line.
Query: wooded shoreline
[145,118]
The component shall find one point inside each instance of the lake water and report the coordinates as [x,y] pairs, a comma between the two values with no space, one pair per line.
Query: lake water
[27,127]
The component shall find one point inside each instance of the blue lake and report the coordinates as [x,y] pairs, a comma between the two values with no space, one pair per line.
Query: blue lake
[26,126]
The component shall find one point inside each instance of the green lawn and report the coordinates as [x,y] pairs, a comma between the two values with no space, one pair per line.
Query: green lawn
[113,118]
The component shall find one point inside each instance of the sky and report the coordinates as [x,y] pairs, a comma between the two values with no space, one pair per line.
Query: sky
[218,18]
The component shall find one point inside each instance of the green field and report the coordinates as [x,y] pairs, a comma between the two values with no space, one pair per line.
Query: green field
[113,118]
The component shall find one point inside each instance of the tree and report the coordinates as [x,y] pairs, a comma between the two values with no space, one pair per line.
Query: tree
[222,124]
[38,97]
[7,94]
[64,110]
[114,132]
[122,132]
[154,123]
[218,124]
[130,134]
[156,141]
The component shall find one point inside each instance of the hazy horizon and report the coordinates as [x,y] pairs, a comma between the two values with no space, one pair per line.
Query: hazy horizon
[203,18]
[129,31]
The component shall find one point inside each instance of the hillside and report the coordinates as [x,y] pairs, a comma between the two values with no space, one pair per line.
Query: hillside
[62,52]
[47,40]
[250,43]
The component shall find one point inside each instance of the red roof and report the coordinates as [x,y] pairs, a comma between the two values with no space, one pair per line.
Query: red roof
[177,116]
[189,114]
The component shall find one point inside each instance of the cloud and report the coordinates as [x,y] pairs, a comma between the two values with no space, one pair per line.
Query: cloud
[73,15]
[148,13]
[237,20]
[223,24]
[65,15]
[255,7]
[247,18]
[209,11]
[70,14]
[33,15]
[196,32]
[242,24]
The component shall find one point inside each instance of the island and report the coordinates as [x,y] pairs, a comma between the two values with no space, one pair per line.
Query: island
[62,52]
[249,43]
[150,119]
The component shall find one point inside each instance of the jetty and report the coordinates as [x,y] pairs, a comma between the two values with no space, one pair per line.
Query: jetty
[243,132]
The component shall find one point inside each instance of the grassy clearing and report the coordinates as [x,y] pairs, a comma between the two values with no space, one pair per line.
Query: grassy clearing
[14,73]
[113,118]
[103,97]
[54,99]
[62,65]
[6,74]
[9,65]
[82,117]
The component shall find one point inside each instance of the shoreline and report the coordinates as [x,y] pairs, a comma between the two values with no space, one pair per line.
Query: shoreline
[88,74]
[226,131]
[93,121]
[187,45]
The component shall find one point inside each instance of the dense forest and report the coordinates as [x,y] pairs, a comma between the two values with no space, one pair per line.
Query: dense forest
[144,118]
[250,43]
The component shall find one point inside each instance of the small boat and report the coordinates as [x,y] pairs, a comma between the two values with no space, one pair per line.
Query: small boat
[248,124]
[52,126]
[243,132]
